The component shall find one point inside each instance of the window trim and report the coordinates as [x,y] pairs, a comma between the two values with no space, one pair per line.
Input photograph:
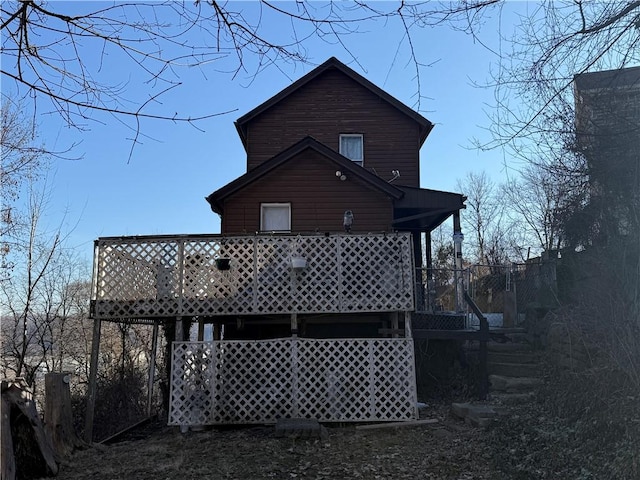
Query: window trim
[274,204]
[352,135]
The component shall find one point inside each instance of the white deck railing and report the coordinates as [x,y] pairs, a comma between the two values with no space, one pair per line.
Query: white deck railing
[167,276]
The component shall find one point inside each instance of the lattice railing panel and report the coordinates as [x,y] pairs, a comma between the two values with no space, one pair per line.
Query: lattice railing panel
[245,382]
[388,273]
[172,276]
[139,279]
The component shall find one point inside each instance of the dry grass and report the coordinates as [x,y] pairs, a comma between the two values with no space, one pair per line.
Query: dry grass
[446,450]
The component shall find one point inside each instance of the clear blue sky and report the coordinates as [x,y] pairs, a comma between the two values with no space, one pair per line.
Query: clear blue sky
[161,189]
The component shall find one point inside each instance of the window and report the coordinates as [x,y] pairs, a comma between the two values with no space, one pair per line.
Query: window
[352,147]
[275,217]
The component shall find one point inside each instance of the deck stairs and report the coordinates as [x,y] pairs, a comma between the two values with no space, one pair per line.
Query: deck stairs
[514,373]
[512,365]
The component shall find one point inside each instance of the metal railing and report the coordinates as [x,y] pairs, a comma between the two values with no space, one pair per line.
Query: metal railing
[504,293]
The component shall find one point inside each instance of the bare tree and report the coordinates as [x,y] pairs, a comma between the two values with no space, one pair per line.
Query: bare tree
[34,255]
[56,54]
[537,200]
[538,58]
[483,220]
[23,161]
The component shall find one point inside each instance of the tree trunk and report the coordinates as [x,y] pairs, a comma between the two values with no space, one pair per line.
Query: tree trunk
[58,419]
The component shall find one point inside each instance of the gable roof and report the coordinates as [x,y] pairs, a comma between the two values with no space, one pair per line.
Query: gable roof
[333,63]
[342,163]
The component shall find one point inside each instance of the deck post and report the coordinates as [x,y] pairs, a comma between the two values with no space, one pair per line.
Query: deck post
[93,374]
[152,367]
[294,325]
[394,324]
[407,325]
[200,329]
[179,330]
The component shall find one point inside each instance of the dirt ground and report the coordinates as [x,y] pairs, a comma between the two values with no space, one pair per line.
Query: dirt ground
[448,449]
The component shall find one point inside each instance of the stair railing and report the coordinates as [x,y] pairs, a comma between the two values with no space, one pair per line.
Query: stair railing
[483,337]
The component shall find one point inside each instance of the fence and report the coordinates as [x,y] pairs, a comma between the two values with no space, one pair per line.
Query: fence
[504,293]
[246,382]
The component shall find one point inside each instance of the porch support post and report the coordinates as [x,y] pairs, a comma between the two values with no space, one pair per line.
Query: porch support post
[93,374]
[417,248]
[152,367]
[428,296]
[294,324]
[428,253]
[457,249]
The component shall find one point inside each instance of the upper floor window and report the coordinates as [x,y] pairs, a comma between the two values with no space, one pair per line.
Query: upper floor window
[352,147]
[275,217]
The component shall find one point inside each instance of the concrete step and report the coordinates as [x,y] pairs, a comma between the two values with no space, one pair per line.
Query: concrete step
[508,347]
[515,356]
[505,384]
[515,370]
[508,330]
[519,337]
[478,415]
[512,398]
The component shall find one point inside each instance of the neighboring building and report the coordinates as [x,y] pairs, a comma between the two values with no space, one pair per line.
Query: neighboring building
[608,134]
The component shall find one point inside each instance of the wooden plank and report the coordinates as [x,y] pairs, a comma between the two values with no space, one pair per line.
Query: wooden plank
[113,438]
[410,423]
[152,366]
[7,459]
[93,375]
[40,447]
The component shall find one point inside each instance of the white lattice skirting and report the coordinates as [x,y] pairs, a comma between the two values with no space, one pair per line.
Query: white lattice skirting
[248,382]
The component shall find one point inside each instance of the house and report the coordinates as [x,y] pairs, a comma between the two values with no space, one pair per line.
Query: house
[313,281]
[607,105]
[329,145]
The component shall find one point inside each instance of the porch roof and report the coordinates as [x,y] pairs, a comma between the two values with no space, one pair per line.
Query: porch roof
[423,210]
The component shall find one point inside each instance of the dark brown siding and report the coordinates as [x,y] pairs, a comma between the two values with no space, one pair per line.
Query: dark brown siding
[318,199]
[333,104]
